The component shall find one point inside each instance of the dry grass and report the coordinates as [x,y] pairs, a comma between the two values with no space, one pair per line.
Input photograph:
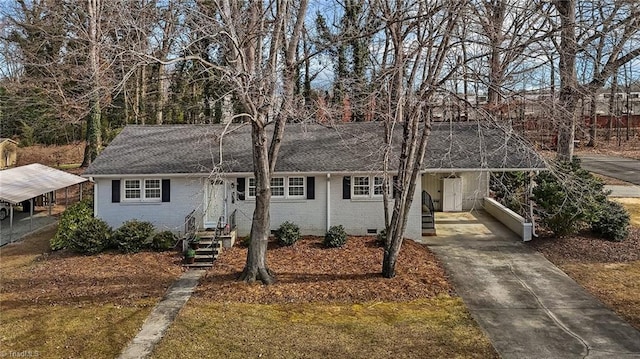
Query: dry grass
[633,206]
[66,156]
[327,303]
[61,305]
[429,328]
[609,270]
[615,284]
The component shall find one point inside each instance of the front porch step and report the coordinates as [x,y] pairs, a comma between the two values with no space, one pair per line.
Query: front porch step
[198,265]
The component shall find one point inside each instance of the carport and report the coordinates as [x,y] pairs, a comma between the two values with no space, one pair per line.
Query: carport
[23,184]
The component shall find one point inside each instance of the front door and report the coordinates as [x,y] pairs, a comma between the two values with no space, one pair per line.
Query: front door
[214,203]
[452,194]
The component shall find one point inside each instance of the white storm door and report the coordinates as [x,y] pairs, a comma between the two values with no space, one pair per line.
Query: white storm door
[214,203]
[452,194]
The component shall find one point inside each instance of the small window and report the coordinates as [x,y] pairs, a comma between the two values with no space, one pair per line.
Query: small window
[361,186]
[132,189]
[277,187]
[252,187]
[152,189]
[296,186]
[377,186]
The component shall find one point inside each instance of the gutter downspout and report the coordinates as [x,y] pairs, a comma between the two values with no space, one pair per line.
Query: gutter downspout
[328,201]
[530,193]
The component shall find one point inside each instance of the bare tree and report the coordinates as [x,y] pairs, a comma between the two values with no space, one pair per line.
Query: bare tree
[419,41]
[261,40]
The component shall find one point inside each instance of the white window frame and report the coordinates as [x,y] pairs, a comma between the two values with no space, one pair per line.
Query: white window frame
[286,186]
[143,187]
[297,186]
[361,187]
[373,187]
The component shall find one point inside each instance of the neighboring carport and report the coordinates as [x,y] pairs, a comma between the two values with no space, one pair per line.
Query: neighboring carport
[23,184]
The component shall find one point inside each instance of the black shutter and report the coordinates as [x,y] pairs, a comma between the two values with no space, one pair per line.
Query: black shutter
[396,187]
[115,191]
[311,188]
[166,190]
[346,187]
[240,188]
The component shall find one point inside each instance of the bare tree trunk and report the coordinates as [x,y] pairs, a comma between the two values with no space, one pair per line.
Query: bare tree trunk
[568,79]
[255,268]
[94,138]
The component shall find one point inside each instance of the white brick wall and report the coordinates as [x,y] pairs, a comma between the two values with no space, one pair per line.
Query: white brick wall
[186,195]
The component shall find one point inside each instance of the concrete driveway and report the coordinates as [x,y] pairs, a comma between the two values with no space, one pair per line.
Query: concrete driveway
[624,169]
[527,306]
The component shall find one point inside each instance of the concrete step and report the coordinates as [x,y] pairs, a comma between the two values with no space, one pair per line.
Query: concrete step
[199,265]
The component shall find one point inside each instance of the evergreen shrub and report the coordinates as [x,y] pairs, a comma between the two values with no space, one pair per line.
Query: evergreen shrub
[133,236]
[74,217]
[335,237]
[288,233]
[612,222]
[91,237]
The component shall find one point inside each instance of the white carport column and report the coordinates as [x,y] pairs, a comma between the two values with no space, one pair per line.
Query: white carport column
[11,223]
[328,201]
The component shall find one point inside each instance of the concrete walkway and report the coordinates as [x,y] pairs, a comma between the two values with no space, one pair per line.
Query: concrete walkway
[623,191]
[527,306]
[162,316]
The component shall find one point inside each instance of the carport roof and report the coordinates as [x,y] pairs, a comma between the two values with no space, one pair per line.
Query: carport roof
[23,183]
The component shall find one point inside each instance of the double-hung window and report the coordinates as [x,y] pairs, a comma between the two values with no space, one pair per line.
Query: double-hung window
[367,186]
[143,190]
[277,187]
[296,187]
[281,187]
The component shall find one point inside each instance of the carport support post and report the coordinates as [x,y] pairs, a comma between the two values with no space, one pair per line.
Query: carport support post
[50,195]
[31,214]
[11,223]
[66,197]
[80,192]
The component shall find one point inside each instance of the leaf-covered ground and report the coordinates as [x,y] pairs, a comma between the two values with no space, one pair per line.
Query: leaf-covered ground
[309,272]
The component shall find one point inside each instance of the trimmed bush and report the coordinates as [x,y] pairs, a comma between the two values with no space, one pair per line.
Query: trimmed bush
[163,241]
[133,236]
[288,234]
[335,237]
[90,238]
[76,216]
[612,222]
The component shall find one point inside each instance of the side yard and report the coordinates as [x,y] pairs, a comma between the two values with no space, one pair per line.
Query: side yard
[609,270]
[62,305]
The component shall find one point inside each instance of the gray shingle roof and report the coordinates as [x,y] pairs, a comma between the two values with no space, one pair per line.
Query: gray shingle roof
[350,147]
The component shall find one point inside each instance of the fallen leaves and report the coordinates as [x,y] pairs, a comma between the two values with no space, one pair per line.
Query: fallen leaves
[308,272]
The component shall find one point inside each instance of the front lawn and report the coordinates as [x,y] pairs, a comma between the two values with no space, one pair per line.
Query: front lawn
[62,305]
[427,328]
[327,303]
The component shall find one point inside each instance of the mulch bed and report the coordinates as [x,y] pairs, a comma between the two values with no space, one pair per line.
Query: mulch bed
[309,272]
[587,248]
[67,278]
